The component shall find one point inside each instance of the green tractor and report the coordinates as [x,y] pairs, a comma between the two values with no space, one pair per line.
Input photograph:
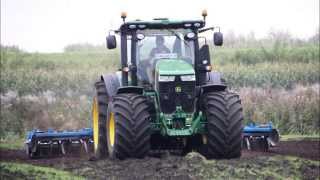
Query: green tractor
[165,96]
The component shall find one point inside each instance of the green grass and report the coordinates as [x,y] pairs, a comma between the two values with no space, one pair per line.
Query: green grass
[27,171]
[298,137]
[12,143]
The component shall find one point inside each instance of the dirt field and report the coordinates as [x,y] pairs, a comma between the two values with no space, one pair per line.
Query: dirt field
[302,162]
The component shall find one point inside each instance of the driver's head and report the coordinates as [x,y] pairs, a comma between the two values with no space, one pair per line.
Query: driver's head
[159,40]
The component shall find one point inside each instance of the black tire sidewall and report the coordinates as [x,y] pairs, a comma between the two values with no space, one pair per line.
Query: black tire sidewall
[110,148]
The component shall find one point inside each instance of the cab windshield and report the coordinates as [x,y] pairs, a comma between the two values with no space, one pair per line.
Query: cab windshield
[156,45]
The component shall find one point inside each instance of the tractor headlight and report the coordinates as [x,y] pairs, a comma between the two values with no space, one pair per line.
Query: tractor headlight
[142,26]
[166,78]
[140,36]
[132,26]
[188,78]
[191,35]
[187,25]
[197,25]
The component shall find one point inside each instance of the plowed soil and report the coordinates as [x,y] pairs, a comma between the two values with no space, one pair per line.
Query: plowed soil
[290,159]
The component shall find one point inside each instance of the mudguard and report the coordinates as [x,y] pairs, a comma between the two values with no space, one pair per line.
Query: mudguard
[130,89]
[112,83]
[215,82]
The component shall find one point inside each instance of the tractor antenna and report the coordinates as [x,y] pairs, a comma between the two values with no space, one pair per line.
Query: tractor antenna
[123,16]
[204,14]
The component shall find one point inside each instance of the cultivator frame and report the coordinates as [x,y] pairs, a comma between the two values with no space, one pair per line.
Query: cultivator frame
[52,143]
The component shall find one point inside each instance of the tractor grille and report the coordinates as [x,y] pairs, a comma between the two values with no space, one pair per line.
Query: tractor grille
[177,93]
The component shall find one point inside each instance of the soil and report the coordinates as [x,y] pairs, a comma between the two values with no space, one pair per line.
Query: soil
[273,164]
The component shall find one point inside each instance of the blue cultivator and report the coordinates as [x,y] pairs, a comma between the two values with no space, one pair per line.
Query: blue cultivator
[260,137]
[51,142]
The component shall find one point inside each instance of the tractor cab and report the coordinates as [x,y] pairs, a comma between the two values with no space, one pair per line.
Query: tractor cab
[168,45]
[162,49]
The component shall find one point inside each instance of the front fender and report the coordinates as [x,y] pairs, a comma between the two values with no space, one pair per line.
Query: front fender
[112,83]
[215,78]
[212,88]
[130,89]
[214,82]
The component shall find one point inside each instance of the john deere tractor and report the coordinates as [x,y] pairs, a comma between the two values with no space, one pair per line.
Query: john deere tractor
[165,96]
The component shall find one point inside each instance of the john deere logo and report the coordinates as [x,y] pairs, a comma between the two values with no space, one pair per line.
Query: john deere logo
[178,89]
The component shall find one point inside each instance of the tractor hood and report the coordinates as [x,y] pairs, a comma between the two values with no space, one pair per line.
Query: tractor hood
[174,67]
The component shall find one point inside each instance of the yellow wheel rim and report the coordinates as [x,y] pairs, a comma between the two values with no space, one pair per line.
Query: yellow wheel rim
[111,129]
[95,118]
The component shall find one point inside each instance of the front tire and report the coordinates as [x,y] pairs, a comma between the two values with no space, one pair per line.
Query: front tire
[128,127]
[223,111]
[99,119]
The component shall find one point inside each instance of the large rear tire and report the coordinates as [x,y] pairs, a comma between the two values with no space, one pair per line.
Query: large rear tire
[99,119]
[223,111]
[128,127]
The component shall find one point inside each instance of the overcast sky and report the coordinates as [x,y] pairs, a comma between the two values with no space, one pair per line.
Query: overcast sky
[49,25]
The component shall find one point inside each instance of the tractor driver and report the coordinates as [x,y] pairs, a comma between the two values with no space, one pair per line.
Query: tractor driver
[160,47]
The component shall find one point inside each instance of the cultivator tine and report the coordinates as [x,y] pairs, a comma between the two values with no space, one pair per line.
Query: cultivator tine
[85,146]
[248,143]
[50,148]
[270,142]
[62,147]
[273,139]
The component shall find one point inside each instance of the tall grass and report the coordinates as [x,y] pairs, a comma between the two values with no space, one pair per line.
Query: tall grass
[261,54]
[275,75]
[20,113]
[32,73]
[294,111]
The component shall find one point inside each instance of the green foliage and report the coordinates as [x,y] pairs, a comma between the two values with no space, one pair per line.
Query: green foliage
[26,171]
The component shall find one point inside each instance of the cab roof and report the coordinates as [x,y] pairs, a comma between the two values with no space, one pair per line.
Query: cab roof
[162,23]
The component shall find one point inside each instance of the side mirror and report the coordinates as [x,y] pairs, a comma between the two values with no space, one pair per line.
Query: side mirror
[111,42]
[218,38]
